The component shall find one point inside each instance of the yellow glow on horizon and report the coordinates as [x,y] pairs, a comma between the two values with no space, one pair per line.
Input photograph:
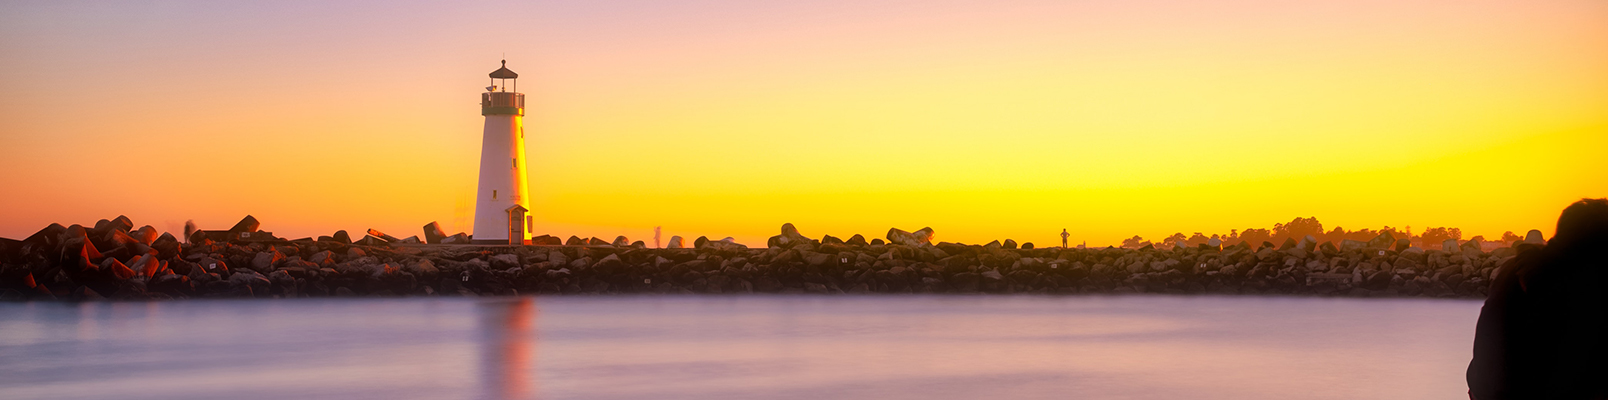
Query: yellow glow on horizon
[983,120]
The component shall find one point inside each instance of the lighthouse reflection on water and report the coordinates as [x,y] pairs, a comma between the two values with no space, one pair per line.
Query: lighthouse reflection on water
[508,348]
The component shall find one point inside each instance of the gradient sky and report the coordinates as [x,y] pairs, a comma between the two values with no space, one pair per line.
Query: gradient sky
[981,119]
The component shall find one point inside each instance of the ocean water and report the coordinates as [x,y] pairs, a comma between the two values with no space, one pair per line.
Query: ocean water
[740,347]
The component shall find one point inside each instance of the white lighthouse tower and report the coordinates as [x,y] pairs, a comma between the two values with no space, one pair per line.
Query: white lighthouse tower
[503,198]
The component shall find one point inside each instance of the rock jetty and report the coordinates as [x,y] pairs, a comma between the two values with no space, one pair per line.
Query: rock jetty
[114,260]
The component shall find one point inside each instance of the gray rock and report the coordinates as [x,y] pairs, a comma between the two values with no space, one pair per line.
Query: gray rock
[815,259]
[1349,245]
[992,275]
[422,267]
[899,236]
[265,261]
[675,243]
[1383,241]
[856,240]
[250,279]
[322,258]
[504,261]
[923,235]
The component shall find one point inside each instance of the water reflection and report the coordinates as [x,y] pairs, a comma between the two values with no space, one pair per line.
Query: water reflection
[508,348]
[740,347]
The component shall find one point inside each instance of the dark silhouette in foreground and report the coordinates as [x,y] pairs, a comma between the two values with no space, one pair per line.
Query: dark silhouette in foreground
[1543,332]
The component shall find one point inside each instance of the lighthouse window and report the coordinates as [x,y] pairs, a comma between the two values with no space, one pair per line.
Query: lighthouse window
[493,195]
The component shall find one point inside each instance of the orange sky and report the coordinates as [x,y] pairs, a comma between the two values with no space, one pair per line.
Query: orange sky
[981,119]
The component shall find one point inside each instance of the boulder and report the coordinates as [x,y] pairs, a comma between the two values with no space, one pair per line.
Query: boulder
[433,233]
[458,238]
[674,243]
[323,258]
[1383,241]
[1449,245]
[47,237]
[1328,248]
[609,263]
[117,269]
[546,240]
[621,241]
[856,240]
[727,244]
[258,283]
[575,241]
[101,226]
[1009,243]
[829,239]
[992,275]
[247,224]
[280,282]
[146,234]
[898,236]
[1289,243]
[264,262]
[924,235]
[123,223]
[370,240]
[340,236]
[815,259]
[504,261]
[1029,245]
[788,238]
[1349,245]
[594,241]
[382,236]
[422,267]
[1308,243]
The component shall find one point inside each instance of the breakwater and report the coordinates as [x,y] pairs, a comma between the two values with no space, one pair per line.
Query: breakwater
[115,261]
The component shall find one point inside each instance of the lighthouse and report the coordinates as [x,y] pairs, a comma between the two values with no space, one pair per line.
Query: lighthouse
[502,200]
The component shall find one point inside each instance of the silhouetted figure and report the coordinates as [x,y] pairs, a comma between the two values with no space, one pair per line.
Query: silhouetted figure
[1064,235]
[1543,332]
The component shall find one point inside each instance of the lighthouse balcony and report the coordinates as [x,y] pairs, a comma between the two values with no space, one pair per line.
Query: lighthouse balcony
[502,103]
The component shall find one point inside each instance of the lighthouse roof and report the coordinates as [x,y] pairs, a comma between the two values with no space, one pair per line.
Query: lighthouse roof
[504,72]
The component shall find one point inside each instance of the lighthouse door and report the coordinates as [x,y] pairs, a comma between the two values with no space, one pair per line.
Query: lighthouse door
[516,225]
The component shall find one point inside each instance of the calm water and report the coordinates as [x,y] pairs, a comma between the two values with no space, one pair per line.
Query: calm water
[741,347]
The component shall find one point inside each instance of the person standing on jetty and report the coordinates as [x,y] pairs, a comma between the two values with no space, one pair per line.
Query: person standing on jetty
[1064,235]
[1543,332]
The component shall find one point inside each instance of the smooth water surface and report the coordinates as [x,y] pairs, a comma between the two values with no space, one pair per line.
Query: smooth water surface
[741,347]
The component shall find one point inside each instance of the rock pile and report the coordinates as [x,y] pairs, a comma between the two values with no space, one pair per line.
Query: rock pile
[114,260]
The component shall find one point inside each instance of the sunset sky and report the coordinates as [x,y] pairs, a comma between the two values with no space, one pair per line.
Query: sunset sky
[982,119]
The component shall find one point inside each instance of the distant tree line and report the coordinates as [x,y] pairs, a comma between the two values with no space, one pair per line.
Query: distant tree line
[1299,228]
